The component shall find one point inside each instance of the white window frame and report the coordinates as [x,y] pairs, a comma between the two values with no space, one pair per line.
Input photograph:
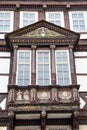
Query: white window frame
[11,20]
[68,63]
[61,17]
[37,66]
[23,63]
[29,12]
[71,20]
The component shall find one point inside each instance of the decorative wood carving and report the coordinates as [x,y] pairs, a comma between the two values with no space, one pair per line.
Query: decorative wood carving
[42,32]
[54,94]
[11,95]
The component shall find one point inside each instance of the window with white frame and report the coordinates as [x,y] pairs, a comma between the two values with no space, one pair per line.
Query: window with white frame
[43,67]
[24,68]
[6,21]
[27,18]
[56,18]
[62,67]
[78,21]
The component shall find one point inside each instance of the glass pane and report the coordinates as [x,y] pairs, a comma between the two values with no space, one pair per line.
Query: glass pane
[65,67]
[59,67]
[81,22]
[25,15]
[60,75]
[46,68]
[57,16]
[7,15]
[25,22]
[40,75]
[46,82]
[74,15]
[75,22]
[20,75]
[51,16]
[1,28]
[66,82]
[1,22]
[76,28]
[58,23]
[82,27]
[26,82]
[26,75]
[27,68]
[80,15]
[32,16]
[40,68]
[20,82]
[46,75]
[27,54]
[66,75]
[7,22]
[6,28]
[60,82]
[40,82]
[1,15]
[20,67]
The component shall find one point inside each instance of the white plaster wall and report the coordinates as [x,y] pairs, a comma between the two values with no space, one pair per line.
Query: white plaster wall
[81,65]
[82,103]
[3,128]
[82,81]
[4,65]
[3,83]
[6,54]
[83,127]
[80,54]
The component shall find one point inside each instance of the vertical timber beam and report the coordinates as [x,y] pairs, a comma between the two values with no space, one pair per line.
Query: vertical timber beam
[75,120]
[14,64]
[11,120]
[43,120]
[33,65]
[53,69]
[72,66]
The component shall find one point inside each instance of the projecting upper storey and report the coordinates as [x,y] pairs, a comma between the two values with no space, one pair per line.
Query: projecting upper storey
[42,33]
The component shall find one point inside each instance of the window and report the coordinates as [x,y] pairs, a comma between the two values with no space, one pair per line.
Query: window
[27,18]
[24,68]
[56,18]
[62,67]
[78,21]
[43,67]
[6,21]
